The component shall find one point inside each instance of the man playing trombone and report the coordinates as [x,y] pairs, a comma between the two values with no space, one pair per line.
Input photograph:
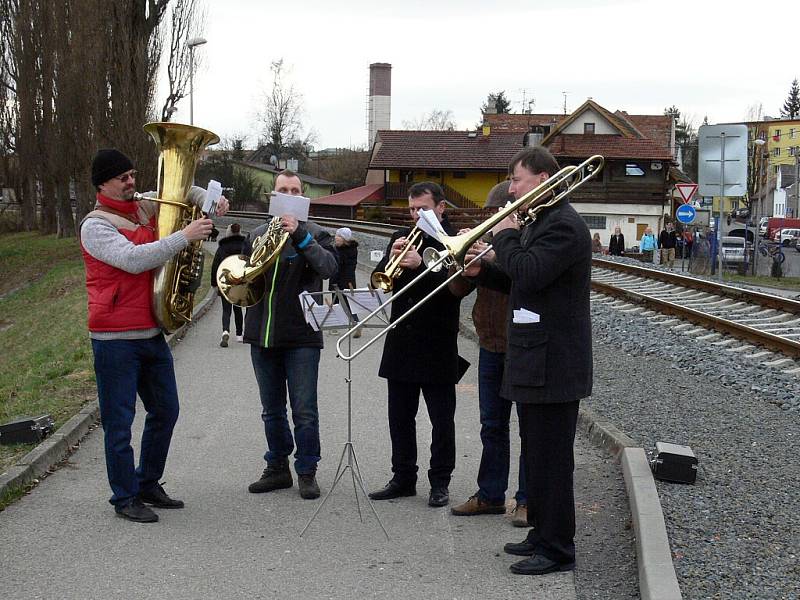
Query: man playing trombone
[546,267]
[421,355]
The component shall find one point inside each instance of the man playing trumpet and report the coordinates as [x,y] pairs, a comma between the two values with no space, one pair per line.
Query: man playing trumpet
[421,355]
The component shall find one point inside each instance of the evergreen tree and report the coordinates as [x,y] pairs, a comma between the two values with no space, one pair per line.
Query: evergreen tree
[791,108]
[498,101]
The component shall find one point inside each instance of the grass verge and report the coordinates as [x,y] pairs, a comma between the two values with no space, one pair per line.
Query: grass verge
[47,356]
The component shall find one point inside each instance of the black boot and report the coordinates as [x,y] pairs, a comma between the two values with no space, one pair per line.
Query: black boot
[276,476]
[308,485]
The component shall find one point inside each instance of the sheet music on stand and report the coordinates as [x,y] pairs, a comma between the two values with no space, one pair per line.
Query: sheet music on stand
[350,305]
[321,312]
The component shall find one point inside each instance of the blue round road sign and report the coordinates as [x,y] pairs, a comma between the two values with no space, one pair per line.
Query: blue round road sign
[685,213]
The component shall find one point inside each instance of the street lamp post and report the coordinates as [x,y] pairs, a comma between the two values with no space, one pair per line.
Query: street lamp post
[192,44]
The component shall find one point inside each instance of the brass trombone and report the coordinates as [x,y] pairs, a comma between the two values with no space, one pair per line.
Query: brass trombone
[384,280]
[548,193]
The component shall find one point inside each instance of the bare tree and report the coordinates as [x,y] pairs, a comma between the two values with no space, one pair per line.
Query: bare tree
[282,115]
[346,167]
[436,120]
[187,21]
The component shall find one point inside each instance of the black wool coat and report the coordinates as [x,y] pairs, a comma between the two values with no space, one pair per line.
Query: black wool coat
[424,348]
[616,245]
[546,268]
[347,261]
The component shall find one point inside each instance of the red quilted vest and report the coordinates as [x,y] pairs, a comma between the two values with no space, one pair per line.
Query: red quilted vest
[118,300]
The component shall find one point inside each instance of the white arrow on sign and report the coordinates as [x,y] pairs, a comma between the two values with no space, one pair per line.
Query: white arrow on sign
[686,190]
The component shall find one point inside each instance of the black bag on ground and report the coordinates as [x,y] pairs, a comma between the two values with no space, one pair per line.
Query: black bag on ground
[27,430]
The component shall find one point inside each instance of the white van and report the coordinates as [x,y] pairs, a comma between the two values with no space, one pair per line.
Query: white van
[786,235]
[762,226]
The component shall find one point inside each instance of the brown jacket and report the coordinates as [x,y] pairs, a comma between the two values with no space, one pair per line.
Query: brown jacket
[489,313]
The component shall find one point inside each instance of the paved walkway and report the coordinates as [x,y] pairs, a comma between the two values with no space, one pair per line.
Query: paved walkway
[64,541]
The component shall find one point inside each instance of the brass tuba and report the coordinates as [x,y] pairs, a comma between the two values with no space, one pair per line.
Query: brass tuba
[241,278]
[175,282]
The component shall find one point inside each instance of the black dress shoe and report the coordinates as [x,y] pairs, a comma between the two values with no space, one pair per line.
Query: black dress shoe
[523,548]
[158,498]
[137,512]
[439,497]
[394,490]
[539,565]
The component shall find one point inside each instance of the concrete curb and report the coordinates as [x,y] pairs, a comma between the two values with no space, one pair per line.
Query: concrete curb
[39,461]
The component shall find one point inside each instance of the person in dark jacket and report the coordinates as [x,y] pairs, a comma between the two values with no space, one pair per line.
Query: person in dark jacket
[231,245]
[547,269]
[489,317]
[667,240]
[616,245]
[346,260]
[421,355]
[285,350]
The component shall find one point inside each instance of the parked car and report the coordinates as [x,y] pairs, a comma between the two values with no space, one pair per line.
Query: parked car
[784,236]
[733,252]
[762,226]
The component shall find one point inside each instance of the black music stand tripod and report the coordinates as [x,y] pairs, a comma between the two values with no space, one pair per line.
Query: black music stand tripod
[348,451]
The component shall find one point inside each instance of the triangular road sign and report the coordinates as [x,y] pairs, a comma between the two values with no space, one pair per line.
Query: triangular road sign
[686,190]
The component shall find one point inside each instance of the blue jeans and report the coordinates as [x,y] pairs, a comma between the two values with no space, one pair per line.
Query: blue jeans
[123,368]
[295,368]
[495,416]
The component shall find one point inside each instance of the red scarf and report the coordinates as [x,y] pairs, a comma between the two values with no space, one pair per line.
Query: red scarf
[128,207]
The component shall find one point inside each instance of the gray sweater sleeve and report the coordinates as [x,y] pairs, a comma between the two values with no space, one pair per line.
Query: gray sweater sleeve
[104,242]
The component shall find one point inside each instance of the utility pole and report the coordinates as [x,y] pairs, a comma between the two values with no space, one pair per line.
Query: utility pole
[796,181]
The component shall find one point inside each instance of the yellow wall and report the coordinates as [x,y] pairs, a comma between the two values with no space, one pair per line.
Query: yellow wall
[729,204]
[789,136]
[475,185]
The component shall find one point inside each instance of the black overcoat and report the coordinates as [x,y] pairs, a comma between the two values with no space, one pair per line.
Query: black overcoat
[424,348]
[616,245]
[547,270]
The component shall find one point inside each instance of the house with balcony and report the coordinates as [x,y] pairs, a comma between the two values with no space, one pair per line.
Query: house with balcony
[633,191]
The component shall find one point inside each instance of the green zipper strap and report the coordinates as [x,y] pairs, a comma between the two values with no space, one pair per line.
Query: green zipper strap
[269,304]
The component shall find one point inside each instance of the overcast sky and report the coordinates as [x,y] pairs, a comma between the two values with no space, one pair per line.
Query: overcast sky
[708,57]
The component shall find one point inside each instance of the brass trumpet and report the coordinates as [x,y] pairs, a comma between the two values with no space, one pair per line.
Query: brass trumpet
[385,279]
[548,193]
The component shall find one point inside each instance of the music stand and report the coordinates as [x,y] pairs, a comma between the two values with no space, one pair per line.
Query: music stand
[323,317]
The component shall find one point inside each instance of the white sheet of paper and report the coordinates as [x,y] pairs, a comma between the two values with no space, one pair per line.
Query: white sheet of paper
[284,204]
[430,224]
[362,301]
[213,193]
[525,316]
[322,315]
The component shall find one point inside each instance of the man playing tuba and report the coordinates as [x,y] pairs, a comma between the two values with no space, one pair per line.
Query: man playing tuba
[120,252]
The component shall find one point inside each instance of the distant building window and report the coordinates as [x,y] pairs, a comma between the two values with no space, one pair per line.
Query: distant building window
[792,150]
[791,133]
[595,221]
[777,135]
[459,175]
[776,152]
[433,173]
[588,128]
[634,170]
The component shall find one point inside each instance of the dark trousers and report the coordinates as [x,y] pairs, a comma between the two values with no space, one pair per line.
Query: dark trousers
[124,368]
[226,316]
[495,413]
[548,437]
[440,400]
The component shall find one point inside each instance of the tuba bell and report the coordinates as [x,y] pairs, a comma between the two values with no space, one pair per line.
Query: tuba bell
[175,282]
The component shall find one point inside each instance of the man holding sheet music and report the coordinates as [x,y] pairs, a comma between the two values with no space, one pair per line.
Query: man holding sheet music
[546,269]
[421,355]
[284,348]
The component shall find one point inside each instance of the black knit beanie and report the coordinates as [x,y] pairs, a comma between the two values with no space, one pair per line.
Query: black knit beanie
[108,163]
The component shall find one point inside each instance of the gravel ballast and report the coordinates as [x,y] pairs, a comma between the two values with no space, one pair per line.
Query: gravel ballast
[734,533]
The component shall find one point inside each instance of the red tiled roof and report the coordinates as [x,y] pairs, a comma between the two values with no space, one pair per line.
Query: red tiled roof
[352,197]
[519,123]
[610,146]
[657,128]
[435,150]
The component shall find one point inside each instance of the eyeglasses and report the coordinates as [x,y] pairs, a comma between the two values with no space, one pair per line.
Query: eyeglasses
[126,176]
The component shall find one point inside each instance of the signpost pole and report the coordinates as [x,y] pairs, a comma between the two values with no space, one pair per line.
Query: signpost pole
[721,202]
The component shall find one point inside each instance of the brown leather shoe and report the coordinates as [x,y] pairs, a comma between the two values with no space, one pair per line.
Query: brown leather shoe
[476,506]
[519,515]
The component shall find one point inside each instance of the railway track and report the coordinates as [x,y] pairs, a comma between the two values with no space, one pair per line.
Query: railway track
[763,323]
